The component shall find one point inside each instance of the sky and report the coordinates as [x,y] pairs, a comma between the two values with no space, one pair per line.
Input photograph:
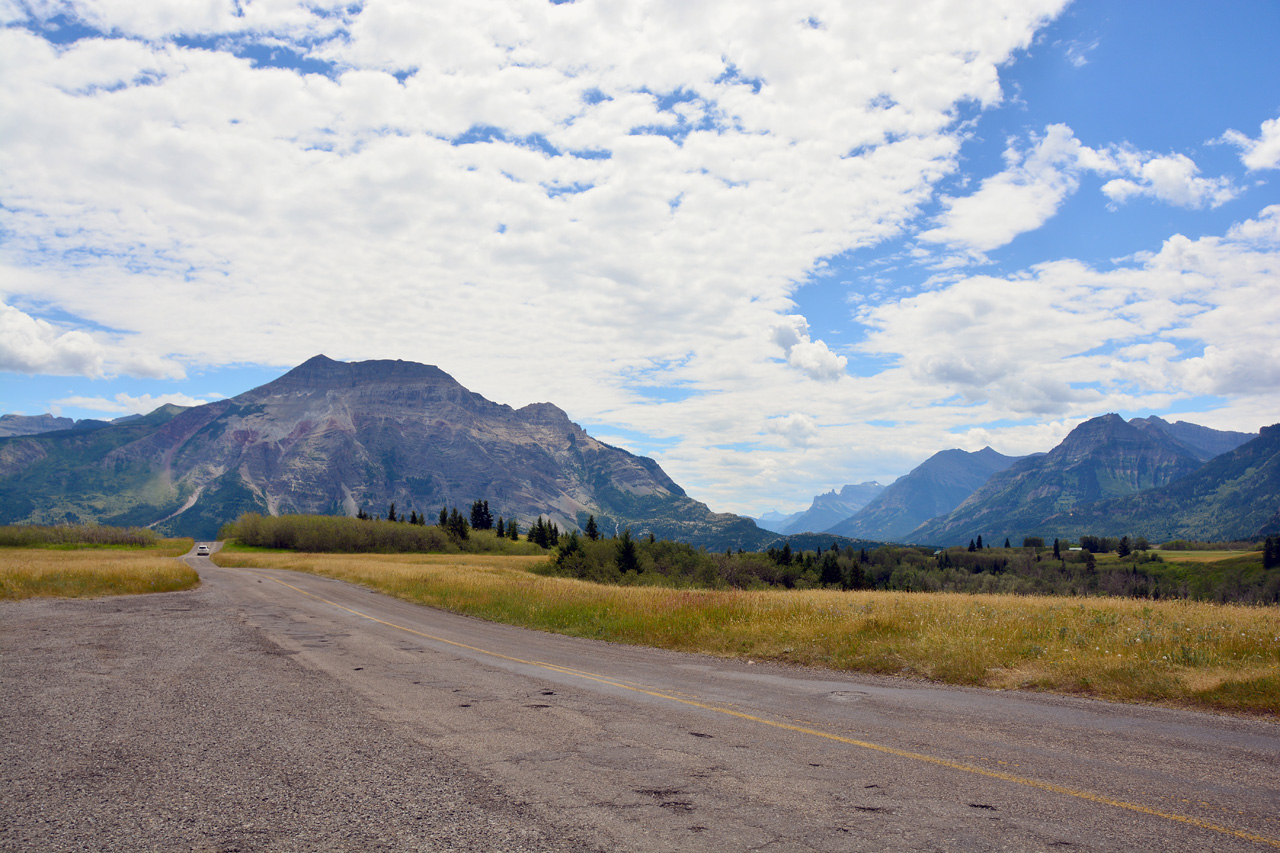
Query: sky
[778,247]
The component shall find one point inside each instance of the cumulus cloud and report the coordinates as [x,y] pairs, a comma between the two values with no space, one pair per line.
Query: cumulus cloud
[1065,337]
[125,404]
[797,429]
[31,345]
[1174,179]
[812,358]
[1260,153]
[1019,199]
[1037,180]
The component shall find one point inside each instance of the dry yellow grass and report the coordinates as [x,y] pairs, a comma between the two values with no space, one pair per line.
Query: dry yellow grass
[87,573]
[1177,652]
[1200,556]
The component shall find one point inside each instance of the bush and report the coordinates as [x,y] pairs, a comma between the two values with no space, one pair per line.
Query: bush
[339,534]
[32,535]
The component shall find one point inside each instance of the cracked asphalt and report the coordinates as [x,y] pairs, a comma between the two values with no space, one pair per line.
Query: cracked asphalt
[270,710]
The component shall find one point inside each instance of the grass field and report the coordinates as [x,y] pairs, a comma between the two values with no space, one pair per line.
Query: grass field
[1202,556]
[1173,652]
[94,571]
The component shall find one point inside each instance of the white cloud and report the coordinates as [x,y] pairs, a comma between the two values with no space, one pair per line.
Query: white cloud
[1022,197]
[31,345]
[1173,179]
[812,358]
[1260,153]
[1066,339]
[124,404]
[797,429]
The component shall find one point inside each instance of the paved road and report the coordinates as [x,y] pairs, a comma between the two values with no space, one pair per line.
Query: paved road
[453,733]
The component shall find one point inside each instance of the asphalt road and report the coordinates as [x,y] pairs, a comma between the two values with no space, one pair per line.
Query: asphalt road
[276,711]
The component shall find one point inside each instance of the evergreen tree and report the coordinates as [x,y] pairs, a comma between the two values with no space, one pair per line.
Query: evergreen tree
[785,557]
[444,517]
[1006,542]
[979,541]
[391,512]
[1123,548]
[457,525]
[481,518]
[829,569]
[513,530]
[362,515]
[626,556]
[972,547]
[593,532]
[652,538]
[1057,550]
[502,528]
[1271,553]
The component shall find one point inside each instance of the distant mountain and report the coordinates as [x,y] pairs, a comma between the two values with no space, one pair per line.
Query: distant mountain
[1203,442]
[776,521]
[11,425]
[1102,458]
[1234,496]
[831,508]
[935,487]
[331,437]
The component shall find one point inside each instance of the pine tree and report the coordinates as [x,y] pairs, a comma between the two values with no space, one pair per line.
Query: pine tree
[593,532]
[502,528]
[413,516]
[1123,549]
[513,530]
[444,517]
[1057,550]
[1006,542]
[626,555]
[972,547]
[979,541]
[391,512]
[1271,553]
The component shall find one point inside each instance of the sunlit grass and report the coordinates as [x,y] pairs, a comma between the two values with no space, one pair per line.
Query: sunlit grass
[92,572]
[1177,652]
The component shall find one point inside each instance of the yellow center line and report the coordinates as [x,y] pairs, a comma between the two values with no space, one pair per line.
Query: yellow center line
[804,730]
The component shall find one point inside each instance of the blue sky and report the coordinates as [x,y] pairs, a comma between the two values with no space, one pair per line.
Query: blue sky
[778,249]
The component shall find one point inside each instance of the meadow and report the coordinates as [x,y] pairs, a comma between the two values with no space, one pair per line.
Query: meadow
[87,572]
[1175,652]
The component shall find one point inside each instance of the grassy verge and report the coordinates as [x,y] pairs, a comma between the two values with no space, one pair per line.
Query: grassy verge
[1193,654]
[92,572]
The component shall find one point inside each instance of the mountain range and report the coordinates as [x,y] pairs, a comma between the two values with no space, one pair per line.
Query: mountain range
[334,437]
[825,511]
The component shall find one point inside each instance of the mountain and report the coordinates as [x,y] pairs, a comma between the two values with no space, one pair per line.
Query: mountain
[933,488]
[831,508]
[1234,496]
[1203,442]
[332,437]
[1102,458]
[11,425]
[775,521]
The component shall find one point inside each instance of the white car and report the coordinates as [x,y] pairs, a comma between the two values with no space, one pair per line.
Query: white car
[202,551]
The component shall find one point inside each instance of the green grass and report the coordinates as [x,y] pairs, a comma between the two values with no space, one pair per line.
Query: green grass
[1183,653]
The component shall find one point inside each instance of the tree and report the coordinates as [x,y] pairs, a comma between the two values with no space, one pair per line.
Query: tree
[502,528]
[593,532]
[1057,550]
[1033,542]
[829,569]
[413,516]
[481,518]
[362,515]
[444,517]
[785,557]
[1006,541]
[457,525]
[626,556]
[391,512]
[979,541]
[1271,553]
[513,530]
[972,547]
[1123,548]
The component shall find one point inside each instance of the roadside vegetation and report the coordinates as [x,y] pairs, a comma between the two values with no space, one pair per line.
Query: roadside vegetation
[1176,652]
[86,561]
[338,534]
